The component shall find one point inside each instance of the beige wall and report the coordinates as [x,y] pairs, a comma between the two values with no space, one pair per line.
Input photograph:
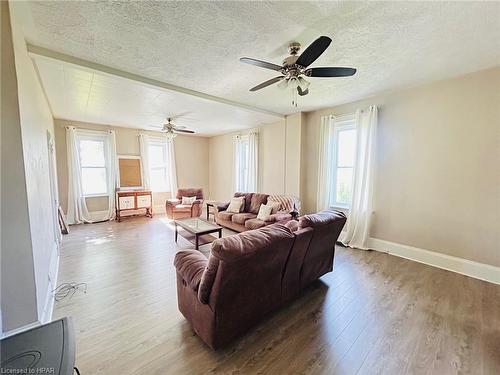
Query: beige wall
[191,154]
[279,159]
[271,172]
[438,166]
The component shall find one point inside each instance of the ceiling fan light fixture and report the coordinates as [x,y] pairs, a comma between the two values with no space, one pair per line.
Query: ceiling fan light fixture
[293,82]
[170,135]
[304,84]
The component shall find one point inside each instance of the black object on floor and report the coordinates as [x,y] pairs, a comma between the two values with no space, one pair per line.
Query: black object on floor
[47,349]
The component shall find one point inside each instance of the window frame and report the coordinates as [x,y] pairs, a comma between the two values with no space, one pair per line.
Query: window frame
[164,166]
[106,167]
[343,124]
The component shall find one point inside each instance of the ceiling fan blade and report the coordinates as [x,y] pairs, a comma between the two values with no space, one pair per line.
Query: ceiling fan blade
[330,72]
[262,64]
[314,51]
[267,83]
[178,127]
[183,131]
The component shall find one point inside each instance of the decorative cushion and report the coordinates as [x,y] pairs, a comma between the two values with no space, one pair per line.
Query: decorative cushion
[264,212]
[241,218]
[188,200]
[256,201]
[236,205]
[275,206]
[248,200]
[224,215]
[286,202]
[254,224]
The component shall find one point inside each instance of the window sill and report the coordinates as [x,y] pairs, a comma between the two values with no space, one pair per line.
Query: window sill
[96,195]
[341,208]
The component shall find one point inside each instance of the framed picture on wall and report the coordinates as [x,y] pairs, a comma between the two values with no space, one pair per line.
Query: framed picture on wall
[130,172]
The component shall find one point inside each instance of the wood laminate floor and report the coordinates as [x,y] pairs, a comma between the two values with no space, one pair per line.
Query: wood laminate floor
[374,314]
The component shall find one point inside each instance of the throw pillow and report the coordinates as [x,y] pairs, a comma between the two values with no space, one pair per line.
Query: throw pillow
[236,205]
[275,206]
[188,200]
[264,212]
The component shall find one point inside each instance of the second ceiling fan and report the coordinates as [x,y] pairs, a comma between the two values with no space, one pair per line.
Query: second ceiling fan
[296,66]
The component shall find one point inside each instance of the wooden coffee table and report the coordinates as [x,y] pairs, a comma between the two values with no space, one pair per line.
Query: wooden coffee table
[197,231]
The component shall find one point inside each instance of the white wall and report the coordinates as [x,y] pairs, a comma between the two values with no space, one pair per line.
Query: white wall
[438,166]
[18,290]
[36,122]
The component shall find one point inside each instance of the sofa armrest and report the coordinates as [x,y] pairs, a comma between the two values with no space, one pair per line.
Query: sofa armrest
[282,216]
[222,206]
[190,265]
[173,202]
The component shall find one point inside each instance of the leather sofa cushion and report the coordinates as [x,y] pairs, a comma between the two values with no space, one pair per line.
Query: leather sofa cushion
[254,224]
[257,200]
[234,247]
[248,200]
[241,218]
[224,215]
[183,207]
[319,219]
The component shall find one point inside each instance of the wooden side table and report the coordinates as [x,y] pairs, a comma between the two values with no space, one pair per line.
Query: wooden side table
[210,204]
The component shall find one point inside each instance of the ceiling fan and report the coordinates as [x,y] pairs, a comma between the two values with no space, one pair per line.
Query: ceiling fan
[296,66]
[171,130]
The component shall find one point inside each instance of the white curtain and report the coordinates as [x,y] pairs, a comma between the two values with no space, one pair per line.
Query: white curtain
[171,167]
[357,229]
[253,161]
[144,142]
[143,148]
[325,162]
[246,162]
[77,206]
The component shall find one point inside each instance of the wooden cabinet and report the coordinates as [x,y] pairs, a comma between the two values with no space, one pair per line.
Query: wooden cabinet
[134,200]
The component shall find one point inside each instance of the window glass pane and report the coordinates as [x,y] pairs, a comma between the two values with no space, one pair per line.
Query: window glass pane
[94,181]
[346,147]
[92,153]
[156,156]
[158,179]
[344,185]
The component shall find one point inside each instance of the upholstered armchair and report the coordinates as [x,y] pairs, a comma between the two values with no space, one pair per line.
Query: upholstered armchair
[176,210]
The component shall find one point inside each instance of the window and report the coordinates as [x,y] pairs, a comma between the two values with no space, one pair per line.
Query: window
[158,166]
[94,170]
[242,159]
[344,146]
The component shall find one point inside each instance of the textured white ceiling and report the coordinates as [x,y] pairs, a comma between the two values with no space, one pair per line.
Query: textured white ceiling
[82,94]
[197,44]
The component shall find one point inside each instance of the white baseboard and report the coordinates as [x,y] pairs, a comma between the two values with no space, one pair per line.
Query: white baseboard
[466,267]
[159,209]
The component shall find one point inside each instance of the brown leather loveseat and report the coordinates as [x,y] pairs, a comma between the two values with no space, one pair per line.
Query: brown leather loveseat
[247,218]
[250,274]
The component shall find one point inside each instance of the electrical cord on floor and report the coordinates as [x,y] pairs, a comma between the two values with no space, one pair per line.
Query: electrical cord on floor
[68,289]
[77,371]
